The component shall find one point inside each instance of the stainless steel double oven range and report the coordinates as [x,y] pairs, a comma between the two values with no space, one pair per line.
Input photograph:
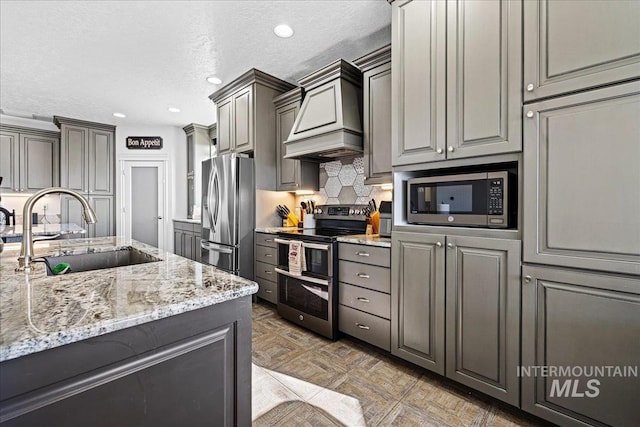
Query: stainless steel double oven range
[311,300]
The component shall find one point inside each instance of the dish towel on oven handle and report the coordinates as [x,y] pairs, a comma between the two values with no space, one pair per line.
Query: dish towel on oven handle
[297,261]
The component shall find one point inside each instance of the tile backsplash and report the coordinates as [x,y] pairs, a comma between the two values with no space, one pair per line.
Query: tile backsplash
[342,182]
[16,202]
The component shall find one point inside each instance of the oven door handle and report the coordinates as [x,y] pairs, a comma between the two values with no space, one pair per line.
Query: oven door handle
[304,278]
[305,244]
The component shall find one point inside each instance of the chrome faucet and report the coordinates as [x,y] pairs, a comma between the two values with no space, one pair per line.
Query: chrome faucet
[26,249]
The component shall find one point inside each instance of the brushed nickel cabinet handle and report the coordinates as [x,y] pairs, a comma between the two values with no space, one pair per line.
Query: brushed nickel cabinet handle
[363,299]
[439,151]
[438,244]
[268,255]
[268,291]
[530,114]
[363,276]
[362,254]
[450,245]
[362,326]
[268,272]
[530,87]
[527,279]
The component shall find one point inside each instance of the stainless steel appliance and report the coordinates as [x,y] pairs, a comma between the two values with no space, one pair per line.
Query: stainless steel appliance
[473,199]
[386,219]
[228,213]
[311,300]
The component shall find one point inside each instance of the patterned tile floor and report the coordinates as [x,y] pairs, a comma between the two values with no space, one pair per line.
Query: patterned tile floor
[302,379]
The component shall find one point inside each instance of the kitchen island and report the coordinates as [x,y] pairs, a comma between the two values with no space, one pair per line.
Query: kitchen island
[160,343]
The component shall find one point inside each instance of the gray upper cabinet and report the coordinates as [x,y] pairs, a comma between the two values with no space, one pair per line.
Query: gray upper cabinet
[579,319]
[198,149]
[87,156]
[484,54]
[581,175]
[225,126]
[456,70]
[243,106]
[292,174]
[376,117]
[29,159]
[87,165]
[418,299]
[483,314]
[418,72]
[561,58]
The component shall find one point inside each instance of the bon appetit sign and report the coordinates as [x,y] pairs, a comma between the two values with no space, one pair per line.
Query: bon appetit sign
[144,142]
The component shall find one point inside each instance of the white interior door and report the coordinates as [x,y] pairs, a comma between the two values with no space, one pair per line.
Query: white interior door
[143,203]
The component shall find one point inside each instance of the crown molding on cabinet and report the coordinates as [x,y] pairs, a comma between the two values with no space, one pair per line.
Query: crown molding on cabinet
[250,77]
[374,59]
[59,121]
[294,95]
[338,69]
[30,131]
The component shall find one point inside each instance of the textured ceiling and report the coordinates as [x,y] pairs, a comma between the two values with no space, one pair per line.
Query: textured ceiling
[89,59]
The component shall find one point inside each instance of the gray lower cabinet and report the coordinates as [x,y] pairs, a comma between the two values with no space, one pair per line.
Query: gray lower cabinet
[292,175]
[376,117]
[186,239]
[103,206]
[364,309]
[266,260]
[483,315]
[559,60]
[479,278]
[581,175]
[583,321]
[456,79]
[418,299]
[190,369]
[29,159]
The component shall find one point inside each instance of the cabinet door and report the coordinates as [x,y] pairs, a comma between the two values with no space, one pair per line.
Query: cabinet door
[243,120]
[484,68]
[10,161]
[560,58]
[377,124]
[580,320]
[288,169]
[40,158]
[101,162]
[417,299]
[483,315]
[103,207]
[74,157]
[188,245]
[178,242]
[581,175]
[225,126]
[418,81]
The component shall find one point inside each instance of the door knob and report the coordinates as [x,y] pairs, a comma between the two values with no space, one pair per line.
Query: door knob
[450,245]
[439,151]
[438,244]
[530,87]
[530,114]
[528,279]
[450,149]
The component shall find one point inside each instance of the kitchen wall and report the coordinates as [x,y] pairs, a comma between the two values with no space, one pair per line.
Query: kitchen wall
[174,151]
[342,182]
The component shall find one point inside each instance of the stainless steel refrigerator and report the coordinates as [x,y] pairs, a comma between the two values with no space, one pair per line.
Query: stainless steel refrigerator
[228,213]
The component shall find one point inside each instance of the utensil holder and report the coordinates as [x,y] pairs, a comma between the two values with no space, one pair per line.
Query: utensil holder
[309,221]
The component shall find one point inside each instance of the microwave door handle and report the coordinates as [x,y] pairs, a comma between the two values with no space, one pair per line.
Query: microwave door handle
[304,278]
[205,245]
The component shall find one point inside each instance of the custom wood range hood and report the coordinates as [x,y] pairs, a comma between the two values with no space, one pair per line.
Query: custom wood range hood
[330,120]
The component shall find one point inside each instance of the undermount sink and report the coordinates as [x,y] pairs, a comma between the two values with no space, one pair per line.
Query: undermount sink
[120,257]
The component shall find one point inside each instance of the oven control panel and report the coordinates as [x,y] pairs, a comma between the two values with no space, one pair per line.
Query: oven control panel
[356,212]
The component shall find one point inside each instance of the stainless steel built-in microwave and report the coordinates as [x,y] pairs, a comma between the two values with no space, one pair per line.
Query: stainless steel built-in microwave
[472,200]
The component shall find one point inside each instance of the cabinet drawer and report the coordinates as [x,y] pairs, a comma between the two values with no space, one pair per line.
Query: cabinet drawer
[268,255]
[366,327]
[367,276]
[179,225]
[265,271]
[267,290]
[365,300]
[366,254]
[265,239]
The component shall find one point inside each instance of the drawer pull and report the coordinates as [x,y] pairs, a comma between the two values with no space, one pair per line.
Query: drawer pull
[269,291]
[268,255]
[363,276]
[268,272]
[362,254]
[362,326]
[268,240]
[363,299]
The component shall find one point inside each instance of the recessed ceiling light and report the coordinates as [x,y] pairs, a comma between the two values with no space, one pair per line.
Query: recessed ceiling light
[174,110]
[283,30]
[214,80]
[122,116]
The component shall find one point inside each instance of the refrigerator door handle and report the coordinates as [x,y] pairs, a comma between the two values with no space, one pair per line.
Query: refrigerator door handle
[214,198]
[205,245]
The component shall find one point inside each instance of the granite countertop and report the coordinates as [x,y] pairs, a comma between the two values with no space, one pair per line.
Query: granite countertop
[189,220]
[367,239]
[41,230]
[39,312]
[273,230]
